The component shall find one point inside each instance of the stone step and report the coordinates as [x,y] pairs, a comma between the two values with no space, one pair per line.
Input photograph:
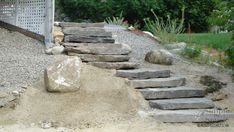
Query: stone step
[182,103]
[191,116]
[90,44]
[71,29]
[100,58]
[89,32]
[115,65]
[87,39]
[143,73]
[102,49]
[83,25]
[171,93]
[159,82]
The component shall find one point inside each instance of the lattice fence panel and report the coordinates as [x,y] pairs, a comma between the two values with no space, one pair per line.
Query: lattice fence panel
[27,14]
[8,11]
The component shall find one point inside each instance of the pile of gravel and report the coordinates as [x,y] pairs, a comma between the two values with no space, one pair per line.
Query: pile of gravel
[140,45]
[22,60]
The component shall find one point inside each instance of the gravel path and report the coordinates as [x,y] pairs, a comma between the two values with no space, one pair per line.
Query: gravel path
[22,60]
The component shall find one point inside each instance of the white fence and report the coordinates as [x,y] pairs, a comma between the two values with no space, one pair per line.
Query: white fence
[34,15]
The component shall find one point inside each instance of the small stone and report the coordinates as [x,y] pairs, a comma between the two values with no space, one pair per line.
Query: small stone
[3,94]
[56,124]
[159,57]
[151,35]
[2,84]
[15,93]
[48,51]
[177,51]
[131,28]
[57,50]
[218,96]
[32,124]
[56,23]
[181,45]
[24,87]
[46,125]
[21,90]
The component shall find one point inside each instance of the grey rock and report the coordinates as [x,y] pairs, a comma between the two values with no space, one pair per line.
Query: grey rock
[212,83]
[183,103]
[88,32]
[57,50]
[87,39]
[192,116]
[177,51]
[86,44]
[63,75]
[171,93]
[16,93]
[181,45]
[115,65]
[3,95]
[100,58]
[71,30]
[104,49]
[83,25]
[159,82]
[159,57]
[143,73]
[48,51]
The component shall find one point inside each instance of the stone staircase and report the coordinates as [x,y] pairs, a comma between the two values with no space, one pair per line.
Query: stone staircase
[169,98]
[171,101]
[95,46]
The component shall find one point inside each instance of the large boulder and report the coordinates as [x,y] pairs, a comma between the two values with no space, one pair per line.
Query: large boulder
[63,75]
[159,57]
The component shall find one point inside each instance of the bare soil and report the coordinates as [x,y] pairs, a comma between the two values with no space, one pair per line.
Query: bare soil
[106,103]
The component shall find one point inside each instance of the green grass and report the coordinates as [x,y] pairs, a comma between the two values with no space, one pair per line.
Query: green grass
[217,41]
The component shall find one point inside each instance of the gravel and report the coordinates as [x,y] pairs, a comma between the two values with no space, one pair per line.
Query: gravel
[140,45]
[22,60]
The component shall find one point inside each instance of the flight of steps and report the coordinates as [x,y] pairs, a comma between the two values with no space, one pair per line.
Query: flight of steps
[170,99]
[94,45]
[168,96]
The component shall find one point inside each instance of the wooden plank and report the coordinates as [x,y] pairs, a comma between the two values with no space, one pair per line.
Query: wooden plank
[21,30]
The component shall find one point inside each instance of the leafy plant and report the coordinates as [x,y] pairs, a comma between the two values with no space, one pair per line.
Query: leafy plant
[191,52]
[165,30]
[119,20]
[223,14]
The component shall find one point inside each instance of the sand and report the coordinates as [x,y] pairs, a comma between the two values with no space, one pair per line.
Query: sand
[101,99]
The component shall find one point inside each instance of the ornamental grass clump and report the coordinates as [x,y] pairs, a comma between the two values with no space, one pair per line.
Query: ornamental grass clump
[167,29]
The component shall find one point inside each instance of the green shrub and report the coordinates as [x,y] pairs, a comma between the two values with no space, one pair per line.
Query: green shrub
[136,10]
[191,52]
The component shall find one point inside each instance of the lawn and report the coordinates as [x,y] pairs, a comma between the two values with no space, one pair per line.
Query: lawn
[217,41]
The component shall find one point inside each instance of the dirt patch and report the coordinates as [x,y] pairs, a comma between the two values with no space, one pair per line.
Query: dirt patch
[102,99]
